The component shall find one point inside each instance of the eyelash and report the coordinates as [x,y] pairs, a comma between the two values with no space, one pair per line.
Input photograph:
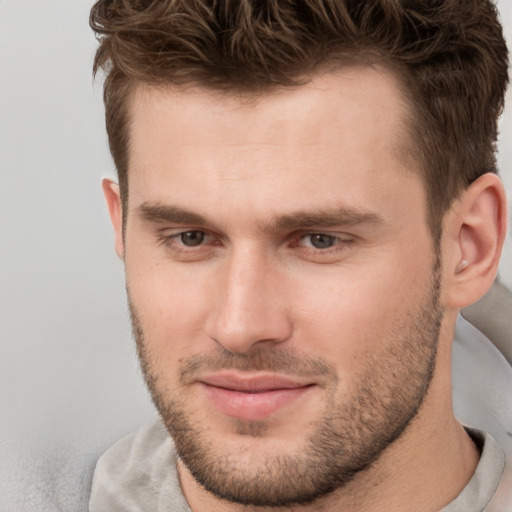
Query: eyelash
[340,244]
[336,240]
[172,241]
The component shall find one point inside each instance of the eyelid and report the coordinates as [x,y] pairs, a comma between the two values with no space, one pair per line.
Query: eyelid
[296,237]
[340,237]
[170,236]
[343,243]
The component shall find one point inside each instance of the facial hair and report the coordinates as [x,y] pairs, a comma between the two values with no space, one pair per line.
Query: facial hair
[350,436]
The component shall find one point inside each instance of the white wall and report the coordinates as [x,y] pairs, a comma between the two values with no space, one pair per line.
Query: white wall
[505,147]
[65,347]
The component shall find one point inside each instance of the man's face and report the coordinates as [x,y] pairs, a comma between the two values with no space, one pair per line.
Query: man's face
[282,280]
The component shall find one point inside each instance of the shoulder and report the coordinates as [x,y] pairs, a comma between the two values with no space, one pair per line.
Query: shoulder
[138,473]
[489,489]
[481,381]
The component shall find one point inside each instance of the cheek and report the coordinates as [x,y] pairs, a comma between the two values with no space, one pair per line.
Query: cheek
[351,316]
[172,307]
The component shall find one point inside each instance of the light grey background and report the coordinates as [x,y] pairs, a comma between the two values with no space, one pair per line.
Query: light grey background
[67,362]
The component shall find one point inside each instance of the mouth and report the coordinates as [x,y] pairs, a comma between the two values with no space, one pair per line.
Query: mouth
[252,397]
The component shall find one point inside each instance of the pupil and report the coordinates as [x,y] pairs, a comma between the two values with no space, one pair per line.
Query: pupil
[192,238]
[322,241]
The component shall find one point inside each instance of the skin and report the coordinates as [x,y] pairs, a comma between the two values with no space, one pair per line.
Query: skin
[254,173]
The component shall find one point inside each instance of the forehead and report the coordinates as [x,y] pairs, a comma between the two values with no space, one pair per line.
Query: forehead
[340,131]
[361,94]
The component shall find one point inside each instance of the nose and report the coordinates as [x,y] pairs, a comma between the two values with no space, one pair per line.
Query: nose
[250,306]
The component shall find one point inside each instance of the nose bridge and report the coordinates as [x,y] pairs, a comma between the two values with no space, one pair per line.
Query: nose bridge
[249,307]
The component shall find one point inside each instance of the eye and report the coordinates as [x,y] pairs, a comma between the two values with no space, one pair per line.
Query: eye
[190,245]
[320,240]
[191,238]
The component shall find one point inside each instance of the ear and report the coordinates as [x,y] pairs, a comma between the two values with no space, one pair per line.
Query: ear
[474,233]
[114,204]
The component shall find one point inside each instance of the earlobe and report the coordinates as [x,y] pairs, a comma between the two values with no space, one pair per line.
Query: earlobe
[476,226]
[114,204]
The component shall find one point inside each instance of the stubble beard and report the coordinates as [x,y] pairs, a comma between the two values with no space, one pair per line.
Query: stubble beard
[345,441]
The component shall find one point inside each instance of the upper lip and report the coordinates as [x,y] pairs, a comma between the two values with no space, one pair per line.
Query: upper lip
[247,382]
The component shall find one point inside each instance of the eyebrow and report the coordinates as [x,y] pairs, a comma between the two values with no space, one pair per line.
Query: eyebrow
[174,214]
[335,217]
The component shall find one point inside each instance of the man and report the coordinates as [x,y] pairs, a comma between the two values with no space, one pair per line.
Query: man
[307,197]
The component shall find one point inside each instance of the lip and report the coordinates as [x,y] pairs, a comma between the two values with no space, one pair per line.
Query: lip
[252,397]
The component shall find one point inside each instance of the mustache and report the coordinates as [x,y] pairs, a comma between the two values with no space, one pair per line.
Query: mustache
[283,361]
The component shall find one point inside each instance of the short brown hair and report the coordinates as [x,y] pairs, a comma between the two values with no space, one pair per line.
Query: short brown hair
[450,55]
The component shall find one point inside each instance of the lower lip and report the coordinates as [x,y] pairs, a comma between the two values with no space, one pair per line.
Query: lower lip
[252,406]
